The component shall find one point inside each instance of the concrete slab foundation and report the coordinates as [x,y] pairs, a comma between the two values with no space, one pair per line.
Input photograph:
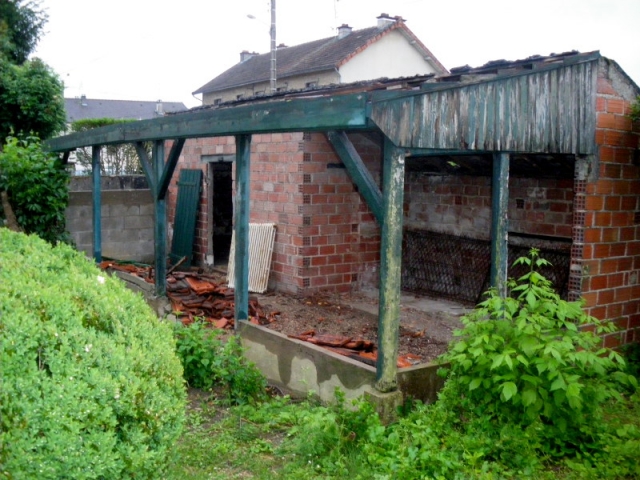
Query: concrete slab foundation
[301,367]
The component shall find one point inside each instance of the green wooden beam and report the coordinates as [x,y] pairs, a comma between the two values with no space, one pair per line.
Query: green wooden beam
[170,167]
[160,232]
[241,227]
[97,203]
[147,168]
[390,263]
[358,172]
[500,223]
[340,112]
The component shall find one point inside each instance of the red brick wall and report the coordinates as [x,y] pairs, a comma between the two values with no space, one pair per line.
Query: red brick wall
[461,205]
[339,241]
[611,253]
[326,237]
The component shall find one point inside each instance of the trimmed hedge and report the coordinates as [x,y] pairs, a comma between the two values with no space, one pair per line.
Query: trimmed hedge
[91,385]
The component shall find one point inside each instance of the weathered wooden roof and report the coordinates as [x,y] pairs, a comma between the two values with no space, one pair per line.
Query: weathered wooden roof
[537,105]
[546,105]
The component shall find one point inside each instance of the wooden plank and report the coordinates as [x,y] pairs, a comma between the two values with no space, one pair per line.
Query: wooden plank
[358,172]
[97,203]
[340,112]
[160,232]
[241,227]
[390,268]
[500,223]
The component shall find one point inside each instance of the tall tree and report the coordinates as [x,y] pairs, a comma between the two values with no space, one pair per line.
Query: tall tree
[31,100]
[21,24]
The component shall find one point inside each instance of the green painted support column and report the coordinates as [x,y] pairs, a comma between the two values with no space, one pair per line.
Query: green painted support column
[390,267]
[500,222]
[160,232]
[97,203]
[241,227]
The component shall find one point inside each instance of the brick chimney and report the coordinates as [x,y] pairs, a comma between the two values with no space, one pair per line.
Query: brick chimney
[384,20]
[344,30]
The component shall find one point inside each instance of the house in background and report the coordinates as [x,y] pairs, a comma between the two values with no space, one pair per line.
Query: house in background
[389,50]
[82,108]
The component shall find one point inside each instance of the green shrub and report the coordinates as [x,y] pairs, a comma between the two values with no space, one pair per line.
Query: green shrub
[528,359]
[37,184]
[210,360]
[91,385]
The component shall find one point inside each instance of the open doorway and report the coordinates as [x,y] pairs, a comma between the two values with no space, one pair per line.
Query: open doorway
[221,195]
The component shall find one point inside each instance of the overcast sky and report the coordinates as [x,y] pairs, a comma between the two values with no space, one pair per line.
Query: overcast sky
[152,49]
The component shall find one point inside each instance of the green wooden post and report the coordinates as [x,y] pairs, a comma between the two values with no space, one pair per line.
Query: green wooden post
[499,222]
[97,203]
[390,267]
[241,227]
[160,233]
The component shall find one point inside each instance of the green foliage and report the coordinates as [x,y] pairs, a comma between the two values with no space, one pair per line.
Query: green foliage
[328,438]
[209,360]
[635,110]
[31,100]
[21,25]
[37,185]
[114,159]
[528,359]
[91,385]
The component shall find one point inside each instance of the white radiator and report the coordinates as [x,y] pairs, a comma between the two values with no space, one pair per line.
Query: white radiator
[261,239]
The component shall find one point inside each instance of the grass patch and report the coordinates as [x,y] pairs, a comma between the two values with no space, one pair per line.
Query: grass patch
[281,438]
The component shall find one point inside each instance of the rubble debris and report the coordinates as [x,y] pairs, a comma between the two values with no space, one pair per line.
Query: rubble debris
[357,349]
[194,295]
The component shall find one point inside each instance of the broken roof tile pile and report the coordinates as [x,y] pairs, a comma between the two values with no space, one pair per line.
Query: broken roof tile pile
[358,349]
[194,295]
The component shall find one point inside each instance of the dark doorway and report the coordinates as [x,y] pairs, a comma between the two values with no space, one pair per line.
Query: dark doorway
[222,211]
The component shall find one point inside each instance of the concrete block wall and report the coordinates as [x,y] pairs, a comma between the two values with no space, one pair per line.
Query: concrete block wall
[610,214]
[127,217]
[461,205]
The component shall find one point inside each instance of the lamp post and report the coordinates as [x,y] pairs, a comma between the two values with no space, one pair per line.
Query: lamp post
[272,35]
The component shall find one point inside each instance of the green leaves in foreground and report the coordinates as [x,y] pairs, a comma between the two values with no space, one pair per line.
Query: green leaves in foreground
[533,357]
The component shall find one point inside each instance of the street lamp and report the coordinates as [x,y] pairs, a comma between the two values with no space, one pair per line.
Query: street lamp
[272,34]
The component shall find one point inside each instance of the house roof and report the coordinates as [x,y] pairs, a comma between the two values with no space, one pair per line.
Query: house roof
[316,56]
[83,108]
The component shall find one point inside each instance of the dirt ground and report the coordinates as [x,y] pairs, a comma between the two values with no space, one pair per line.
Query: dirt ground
[424,334]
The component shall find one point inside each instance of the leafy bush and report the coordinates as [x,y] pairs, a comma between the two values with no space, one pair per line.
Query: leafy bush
[37,184]
[536,359]
[210,360]
[91,388]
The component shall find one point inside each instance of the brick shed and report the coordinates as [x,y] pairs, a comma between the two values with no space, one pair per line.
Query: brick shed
[582,211]
[463,170]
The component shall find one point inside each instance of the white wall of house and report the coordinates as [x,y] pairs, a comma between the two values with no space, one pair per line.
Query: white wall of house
[392,56]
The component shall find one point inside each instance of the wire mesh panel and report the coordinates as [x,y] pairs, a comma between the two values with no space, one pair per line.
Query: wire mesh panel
[458,268]
[444,265]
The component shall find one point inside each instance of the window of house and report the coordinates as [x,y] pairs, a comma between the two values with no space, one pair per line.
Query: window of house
[311,84]
[217,101]
[239,96]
